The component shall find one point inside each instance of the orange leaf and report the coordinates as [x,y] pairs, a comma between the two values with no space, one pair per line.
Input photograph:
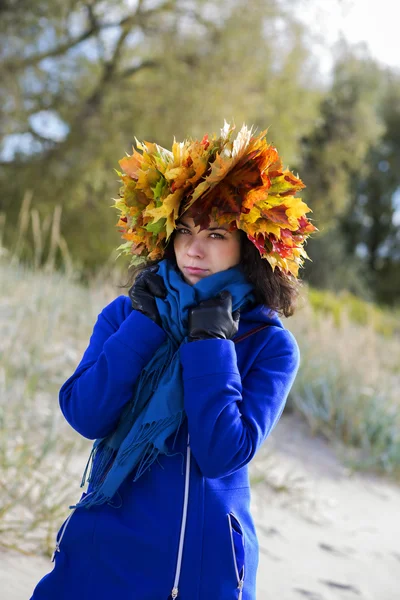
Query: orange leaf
[277,214]
[131,164]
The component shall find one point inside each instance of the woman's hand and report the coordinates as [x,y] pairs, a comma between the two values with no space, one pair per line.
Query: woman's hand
[213,319]
[147,287]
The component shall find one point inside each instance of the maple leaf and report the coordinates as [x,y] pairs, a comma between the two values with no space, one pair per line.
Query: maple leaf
[280,248]
[296,209]
[277,214]
[178,176]
[156,227]
[259,242]
[287,237]
[269,159]
[122,223]
[131,164]
[256,196]
[134,196]
[160,188]
[200,166]
[260,225]
[169,210]
[279,185]
[292,179]
[148,179]
[306,226]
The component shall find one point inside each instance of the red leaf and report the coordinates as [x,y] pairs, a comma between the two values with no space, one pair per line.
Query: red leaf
[259,242]
[204,142]
[277,214]
[279,247]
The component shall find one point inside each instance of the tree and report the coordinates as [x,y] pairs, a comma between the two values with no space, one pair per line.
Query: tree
[106,73]
[371,225]
[334,158]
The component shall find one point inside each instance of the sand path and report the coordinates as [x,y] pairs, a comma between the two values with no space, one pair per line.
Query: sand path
[324,533]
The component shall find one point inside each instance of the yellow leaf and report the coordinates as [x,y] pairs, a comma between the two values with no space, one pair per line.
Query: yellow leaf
[169,210]
[296,209]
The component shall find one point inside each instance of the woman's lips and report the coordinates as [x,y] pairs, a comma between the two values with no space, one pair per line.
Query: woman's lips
[195,270]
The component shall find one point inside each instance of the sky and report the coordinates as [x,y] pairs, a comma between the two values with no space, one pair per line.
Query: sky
[375,22]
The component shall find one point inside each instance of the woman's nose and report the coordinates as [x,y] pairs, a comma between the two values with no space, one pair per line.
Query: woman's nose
[195,248]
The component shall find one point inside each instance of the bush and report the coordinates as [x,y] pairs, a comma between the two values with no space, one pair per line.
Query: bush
[347,385]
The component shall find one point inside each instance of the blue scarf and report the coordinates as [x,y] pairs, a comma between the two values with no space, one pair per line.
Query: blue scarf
[157,408]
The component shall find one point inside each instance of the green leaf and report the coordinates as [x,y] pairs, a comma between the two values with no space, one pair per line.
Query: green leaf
[159,188]
[124,249]
[156,227]
[137,260]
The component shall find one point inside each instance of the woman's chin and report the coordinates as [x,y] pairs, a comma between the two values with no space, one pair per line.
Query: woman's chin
[191,278]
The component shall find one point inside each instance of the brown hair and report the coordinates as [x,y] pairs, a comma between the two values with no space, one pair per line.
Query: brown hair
[279,292]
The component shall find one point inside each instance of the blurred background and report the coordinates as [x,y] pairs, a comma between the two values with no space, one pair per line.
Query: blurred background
[79,81]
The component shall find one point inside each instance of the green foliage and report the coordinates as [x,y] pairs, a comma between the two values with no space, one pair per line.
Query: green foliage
[370,222]
[348,125]
[332,268]
[351,167]
[344,306]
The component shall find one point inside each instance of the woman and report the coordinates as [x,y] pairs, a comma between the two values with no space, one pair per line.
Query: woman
[184,379]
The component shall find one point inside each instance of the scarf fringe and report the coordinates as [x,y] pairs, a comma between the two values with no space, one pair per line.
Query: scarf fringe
[93,499]
[147,432]
[107,457]
[89,463]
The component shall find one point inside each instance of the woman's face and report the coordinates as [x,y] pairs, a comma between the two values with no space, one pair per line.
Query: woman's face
[203,253]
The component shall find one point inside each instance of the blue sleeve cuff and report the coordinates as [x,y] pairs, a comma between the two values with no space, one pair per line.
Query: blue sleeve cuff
[208,357]
[140,334]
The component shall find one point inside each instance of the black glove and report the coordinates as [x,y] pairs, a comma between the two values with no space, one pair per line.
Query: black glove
[148,286]
[213,319]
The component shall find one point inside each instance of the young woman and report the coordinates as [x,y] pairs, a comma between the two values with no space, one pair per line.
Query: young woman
[185,377]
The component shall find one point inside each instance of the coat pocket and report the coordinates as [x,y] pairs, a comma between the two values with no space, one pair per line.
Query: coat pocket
[238,550]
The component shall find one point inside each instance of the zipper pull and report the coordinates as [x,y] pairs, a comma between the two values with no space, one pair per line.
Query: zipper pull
[56,549]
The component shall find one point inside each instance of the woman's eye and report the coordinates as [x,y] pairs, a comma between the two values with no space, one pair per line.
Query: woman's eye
[184,231]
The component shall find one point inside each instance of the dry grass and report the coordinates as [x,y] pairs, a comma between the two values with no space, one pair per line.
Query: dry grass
[346,388]
[46,321]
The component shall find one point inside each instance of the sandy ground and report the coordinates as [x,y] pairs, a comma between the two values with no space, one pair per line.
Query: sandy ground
[325,533]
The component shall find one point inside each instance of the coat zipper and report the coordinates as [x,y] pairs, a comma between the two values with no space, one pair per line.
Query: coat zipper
[63,530]
[175,589]
[240,581]
[57,547]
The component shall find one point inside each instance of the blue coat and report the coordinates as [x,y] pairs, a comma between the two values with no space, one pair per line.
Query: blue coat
[234,395]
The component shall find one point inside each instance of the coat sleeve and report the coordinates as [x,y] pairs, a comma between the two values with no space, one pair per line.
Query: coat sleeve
[229,419]
[92,399]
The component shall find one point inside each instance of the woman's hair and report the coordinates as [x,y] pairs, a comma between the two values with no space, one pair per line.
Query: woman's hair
[277,291]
